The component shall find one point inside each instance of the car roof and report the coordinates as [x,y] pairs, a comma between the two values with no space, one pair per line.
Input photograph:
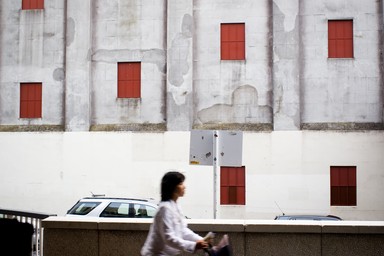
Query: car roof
[115,198]
[307,216]
[103,198]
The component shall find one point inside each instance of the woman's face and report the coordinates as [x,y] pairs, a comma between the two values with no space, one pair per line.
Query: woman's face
[180,190]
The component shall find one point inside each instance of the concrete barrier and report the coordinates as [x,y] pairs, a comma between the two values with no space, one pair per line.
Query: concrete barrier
[103,237]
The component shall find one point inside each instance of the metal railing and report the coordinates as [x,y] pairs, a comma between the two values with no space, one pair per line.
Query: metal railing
[33,218]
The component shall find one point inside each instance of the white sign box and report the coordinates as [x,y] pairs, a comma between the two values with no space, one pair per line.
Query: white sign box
[230,148]
[203,146]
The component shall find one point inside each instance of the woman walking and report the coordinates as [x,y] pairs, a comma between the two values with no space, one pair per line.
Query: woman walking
[169,234]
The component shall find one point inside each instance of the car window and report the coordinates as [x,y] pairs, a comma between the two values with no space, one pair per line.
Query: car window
[144,211]
[117,210]
[83,208]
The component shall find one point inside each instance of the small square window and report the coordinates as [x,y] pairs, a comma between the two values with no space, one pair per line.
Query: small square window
[343,185]
[30,100]
[232,186]
[32,4]
[340,39]
[233,41]
[129,80]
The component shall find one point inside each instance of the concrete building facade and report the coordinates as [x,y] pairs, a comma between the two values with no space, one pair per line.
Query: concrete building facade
[293,101]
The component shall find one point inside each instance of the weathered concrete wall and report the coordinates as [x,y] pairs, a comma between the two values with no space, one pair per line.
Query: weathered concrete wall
[286,81]
[232,92]
[286,65]
[125,31]
[78,65]
[32,50]
[64,237]
[341,90]
[180,31]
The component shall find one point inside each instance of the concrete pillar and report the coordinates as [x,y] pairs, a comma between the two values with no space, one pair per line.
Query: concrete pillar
[179,65]
[286,65]
[78,64]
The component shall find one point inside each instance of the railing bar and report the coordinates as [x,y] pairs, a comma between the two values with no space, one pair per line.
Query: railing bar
[35,219]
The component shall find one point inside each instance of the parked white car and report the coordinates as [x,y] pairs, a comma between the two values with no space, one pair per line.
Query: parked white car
[113,208]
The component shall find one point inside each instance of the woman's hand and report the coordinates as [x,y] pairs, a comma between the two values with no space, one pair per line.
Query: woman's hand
[201,244]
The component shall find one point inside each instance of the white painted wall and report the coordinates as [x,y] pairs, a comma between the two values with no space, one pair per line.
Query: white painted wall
[49,172]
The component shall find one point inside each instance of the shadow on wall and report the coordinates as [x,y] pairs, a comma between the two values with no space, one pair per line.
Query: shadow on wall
[243,109]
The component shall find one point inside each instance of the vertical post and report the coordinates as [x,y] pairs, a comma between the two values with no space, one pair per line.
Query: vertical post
[215,165]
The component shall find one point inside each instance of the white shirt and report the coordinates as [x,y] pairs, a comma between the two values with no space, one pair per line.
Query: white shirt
[169,234]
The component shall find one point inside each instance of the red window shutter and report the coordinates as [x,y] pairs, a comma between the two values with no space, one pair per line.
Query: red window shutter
[30,100]
[343,186]
[224,177]
[352,176]
[232,185]
[225,32]
[343,173]
[240,185]
[26,5]
[122,73]
[352,184]
[340,39]
[24,101]
[136,89]
[240,177]
[233,41]
[37,93]
[224,195]
[40,4]
[232,195]
[233,177]
[241,195]
[225,51]
[129,80]
[343,195]
[335,177]
[352,196]
[335,195]
[224,185]
[32,4]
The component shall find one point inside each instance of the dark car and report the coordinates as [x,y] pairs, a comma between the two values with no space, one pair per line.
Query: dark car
[308,217]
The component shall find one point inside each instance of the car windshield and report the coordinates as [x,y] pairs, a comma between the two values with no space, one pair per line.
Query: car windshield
[83,208]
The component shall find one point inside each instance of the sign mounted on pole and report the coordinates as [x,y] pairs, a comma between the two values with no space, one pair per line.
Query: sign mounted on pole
[216,148]
[201,147]
[229,148]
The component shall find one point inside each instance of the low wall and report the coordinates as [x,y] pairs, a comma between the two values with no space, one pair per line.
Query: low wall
[81,237]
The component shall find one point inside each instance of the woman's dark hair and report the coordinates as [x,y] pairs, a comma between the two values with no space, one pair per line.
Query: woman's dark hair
[169,183]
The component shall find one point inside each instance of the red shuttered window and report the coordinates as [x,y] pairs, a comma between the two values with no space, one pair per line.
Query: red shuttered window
[340,39]
[30,100]
[32,4]
[129,80]
[232,185]
[233,41]
[343,185]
